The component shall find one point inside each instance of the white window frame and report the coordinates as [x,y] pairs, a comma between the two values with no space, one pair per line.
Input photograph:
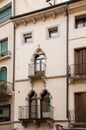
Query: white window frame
[52,28]
[26,35]
[80,16]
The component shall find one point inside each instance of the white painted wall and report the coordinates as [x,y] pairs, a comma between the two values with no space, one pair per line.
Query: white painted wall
[28,6]
[54,49]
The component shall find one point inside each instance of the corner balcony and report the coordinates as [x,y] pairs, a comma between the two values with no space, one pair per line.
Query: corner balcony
[36,71]
[77,72]
[77,118]
[36,114]
[6,90]
[5,55]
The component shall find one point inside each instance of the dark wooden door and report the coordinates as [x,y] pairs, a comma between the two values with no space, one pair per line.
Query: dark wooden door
[80,107]
[80,61]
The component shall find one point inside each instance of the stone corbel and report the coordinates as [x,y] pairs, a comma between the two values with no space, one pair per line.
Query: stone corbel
[33,20]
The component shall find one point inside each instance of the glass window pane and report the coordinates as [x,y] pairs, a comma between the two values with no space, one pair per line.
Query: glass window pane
[37,65]
[28,37]
[53,32]
[4,113]
[81,22]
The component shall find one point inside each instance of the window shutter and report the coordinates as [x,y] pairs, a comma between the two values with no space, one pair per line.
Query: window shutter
[5,15]
[3,74]
[4,46]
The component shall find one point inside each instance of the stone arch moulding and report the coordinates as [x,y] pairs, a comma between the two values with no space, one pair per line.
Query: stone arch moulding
[44,91]
[31,91]
[38,51]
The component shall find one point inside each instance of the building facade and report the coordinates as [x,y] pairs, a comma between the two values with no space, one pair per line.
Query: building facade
[6,65]
[47,66]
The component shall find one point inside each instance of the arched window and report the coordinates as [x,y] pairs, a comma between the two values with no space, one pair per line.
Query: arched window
[33,105]
[39,64]
[45,104]
[3,74]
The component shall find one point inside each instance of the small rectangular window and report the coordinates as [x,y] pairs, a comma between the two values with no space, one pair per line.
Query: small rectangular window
[28,38]
[53,32]
[80,21]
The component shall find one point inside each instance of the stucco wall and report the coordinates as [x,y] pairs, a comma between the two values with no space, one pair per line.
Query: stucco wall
[6,32]
[54,48]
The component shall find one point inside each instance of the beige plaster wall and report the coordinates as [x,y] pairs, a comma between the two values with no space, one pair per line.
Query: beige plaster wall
[77,39]
[73,32]
[6,31]
[57,89]
[54,48]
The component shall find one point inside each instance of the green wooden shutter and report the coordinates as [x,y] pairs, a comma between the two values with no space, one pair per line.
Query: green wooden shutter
[0,47]
[5,15]
[3,74]
[4,46]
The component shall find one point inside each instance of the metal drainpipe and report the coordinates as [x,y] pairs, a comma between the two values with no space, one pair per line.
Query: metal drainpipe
[14,47]
[67,56]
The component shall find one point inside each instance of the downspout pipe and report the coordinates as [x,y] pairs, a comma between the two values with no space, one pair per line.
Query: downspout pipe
[14,47]
[67,58]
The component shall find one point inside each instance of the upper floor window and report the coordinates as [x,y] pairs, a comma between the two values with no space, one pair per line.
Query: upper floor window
[3,74]
[5,14]
[39,64]
[80,61]
[3,47]
[80,21]
[28,38]
[4,113]
[45,104]
[53,32]
[33,105]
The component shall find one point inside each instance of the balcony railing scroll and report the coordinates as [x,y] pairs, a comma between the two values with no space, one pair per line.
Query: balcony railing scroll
[35,112]
[6,86]
[37,69]
[77,69]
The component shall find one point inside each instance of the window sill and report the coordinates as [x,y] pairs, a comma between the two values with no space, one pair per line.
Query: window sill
[5,122]
[5,57]
[51,38]
[4,23]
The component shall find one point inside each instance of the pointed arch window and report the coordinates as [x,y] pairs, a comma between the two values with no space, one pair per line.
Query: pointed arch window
[39,64]
[3,74]
[45,104]
[33,105]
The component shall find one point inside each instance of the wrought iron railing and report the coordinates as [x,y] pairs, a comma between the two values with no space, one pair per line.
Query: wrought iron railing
[77,116]
[6,86]
[37,69]
[2,54]
[35,112]
[77,70]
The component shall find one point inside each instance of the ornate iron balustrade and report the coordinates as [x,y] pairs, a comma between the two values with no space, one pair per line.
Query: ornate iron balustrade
[6,53]
[77,116]
[6,87]
[35,112]
[77,69]
[37,69]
